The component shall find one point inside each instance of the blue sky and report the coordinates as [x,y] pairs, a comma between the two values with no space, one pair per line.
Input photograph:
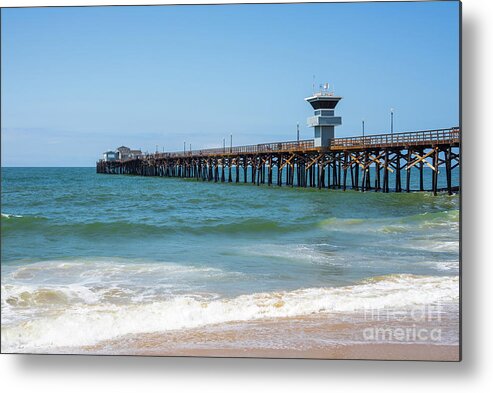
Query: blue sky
[78,81]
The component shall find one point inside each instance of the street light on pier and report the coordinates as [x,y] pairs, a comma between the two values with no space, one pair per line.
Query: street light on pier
[298,133]
[231,143]
[391,121]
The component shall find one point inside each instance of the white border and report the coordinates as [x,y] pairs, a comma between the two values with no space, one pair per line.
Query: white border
[116,374]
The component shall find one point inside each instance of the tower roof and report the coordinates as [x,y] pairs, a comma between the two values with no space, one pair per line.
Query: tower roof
[323,101]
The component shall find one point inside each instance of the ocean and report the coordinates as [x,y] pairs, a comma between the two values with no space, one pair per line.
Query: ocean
[89,261]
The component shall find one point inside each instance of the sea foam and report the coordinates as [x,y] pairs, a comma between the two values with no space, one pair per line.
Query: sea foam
[86,323]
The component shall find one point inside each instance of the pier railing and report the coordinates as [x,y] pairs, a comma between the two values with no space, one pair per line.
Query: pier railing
[401,139]
[416,138]
[248,149]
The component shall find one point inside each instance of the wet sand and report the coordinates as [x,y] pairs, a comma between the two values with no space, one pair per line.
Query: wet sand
[318,336]
[350,351]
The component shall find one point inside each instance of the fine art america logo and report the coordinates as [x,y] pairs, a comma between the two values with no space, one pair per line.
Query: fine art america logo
[417,324]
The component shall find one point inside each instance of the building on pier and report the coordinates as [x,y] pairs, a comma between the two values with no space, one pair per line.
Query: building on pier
[110,155]
[132,154]
[123,152]
[324,121]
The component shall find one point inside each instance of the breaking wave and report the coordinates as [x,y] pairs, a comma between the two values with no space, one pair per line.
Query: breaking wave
[81,320]
[14,224]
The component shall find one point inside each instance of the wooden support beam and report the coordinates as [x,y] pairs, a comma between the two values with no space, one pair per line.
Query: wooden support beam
[422,159]
[345,170]
[398,187]
[315,160]
[448,168]
[435,172]
[288,161]
[408,171]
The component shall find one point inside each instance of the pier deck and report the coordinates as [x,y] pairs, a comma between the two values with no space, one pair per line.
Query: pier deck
[369,161]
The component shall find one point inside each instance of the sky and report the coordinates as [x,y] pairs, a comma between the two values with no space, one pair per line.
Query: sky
[77,81]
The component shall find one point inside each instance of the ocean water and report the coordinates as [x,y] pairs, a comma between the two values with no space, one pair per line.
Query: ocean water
[87,258]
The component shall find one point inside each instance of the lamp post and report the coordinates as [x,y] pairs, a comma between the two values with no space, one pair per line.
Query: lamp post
[231,143]
[363,130]
[184,148]
[392,121]
[298,133]
[224,145]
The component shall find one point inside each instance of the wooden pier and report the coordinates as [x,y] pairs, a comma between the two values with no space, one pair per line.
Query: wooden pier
[373,162]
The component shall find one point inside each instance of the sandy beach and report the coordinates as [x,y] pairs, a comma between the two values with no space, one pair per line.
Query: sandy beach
[318,336]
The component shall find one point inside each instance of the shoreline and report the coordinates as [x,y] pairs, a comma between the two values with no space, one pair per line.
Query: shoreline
[317,336]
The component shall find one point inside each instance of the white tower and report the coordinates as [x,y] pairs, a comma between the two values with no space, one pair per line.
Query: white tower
[324,120]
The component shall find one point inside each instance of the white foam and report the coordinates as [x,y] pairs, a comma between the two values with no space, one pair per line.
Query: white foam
[448,266]
[6,215]
[87,324]
[298,252]
[104,271]
[40,287]
[435,245]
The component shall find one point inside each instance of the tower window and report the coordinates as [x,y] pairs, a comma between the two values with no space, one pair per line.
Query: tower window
[322,112]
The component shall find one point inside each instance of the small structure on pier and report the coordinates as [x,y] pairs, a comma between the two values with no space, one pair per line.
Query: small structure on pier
[132,154]
[110,155]
[324,121]
[124,152]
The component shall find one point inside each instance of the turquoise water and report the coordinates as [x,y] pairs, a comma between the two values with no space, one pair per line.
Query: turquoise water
[82,249]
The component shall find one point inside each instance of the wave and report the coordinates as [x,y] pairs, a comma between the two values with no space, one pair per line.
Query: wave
[335,221]
[83,324]
[6,215]
[14,219]
[102,280]
[428,218]
[16,223]
[447,219]
[319,254]
[13,224]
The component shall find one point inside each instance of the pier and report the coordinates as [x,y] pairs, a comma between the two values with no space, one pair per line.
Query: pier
[362,163]
[365,163]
